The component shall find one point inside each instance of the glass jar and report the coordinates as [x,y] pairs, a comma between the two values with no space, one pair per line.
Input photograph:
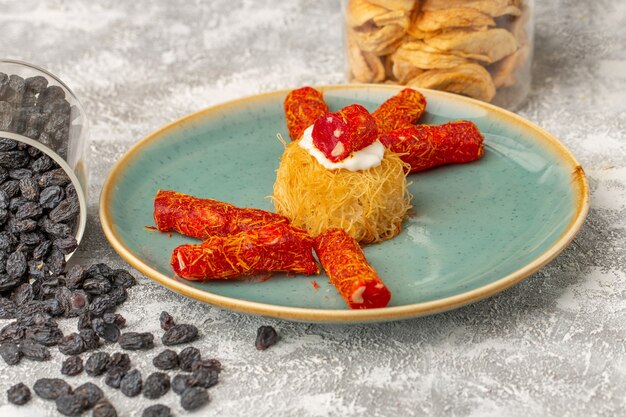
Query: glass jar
[478,48]
[38,109]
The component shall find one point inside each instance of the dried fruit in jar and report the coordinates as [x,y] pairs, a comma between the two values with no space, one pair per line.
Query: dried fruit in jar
[402,110]
[348,270]
[272,248]
[426,146]
[202,217]
[303,107]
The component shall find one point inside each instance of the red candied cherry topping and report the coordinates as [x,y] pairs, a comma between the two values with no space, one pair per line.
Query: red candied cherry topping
[340,134]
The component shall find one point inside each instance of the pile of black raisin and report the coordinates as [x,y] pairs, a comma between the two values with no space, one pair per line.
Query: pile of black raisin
[37,303]
[31,108]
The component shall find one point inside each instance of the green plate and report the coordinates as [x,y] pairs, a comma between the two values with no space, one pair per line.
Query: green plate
[478,228]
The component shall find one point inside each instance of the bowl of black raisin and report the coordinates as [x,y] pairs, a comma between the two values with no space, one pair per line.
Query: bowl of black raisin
[43,175]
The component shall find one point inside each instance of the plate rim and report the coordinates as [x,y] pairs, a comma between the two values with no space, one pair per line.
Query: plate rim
[578,183]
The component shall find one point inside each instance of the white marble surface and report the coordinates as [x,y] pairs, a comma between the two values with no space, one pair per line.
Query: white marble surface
[554,345]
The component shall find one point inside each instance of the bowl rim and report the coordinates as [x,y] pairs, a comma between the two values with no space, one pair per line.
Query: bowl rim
[578,182]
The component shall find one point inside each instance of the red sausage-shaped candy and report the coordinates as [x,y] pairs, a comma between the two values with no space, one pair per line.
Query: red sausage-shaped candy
[203,217]
[426,146]
[302,108]
[400,111]
[348,270]
[272,248]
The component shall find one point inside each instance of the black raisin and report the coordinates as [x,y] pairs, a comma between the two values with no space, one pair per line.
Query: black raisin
[90,339]
[55,261]
[266,336]
[28,210]
[18,394]
[187,357]
[102,304]
[119,360]
[53,177]
[104,408]
[210,364]
[10,188]
[71,344]
[168,359]
[156,385]
[16,264]
[22,294]
[136,341]
[75,276]
[70,405]
[42,250]
[114,377]
[43,163]
[90,394]
[7,282]
[96,364]
[194,398]
[123,278]
[29,189]
[97,286]
[114,318]
[66,210]
[109,332]
[50,197]
[7,309]
[10,352]
[156,410]
[180,333]
[36,84]
[181,382]
[131,383]
[47,335]
[14,159]
[166,320]
[51,388]
[72,366]
[34,351]
[204,378]
[66,244]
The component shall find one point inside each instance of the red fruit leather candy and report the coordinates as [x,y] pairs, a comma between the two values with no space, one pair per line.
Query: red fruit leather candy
[203,217]
[349,130]
[426,146]
[348,270]
[302,108]
[400,111]
[271,248]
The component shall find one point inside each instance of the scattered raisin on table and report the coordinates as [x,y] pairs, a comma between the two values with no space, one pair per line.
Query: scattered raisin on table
[166,320]
[187,357]
[89,393]
[194,398]
[136,341]
[179,334]
[70,405]
[266,336]
[72,366]
[156,410]
[10,353]
[18,394]
[51,388]
[181,382]
[166,360]
[97,363]
[104,408]
[156,385]
[114,377]
[131,383]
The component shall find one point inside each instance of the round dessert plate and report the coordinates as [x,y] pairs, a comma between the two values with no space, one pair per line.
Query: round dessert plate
[474,230]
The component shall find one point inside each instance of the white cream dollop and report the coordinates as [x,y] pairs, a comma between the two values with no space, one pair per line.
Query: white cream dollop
[369,157]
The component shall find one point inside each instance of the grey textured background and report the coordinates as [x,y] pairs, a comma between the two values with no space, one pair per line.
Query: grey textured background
[550,346]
